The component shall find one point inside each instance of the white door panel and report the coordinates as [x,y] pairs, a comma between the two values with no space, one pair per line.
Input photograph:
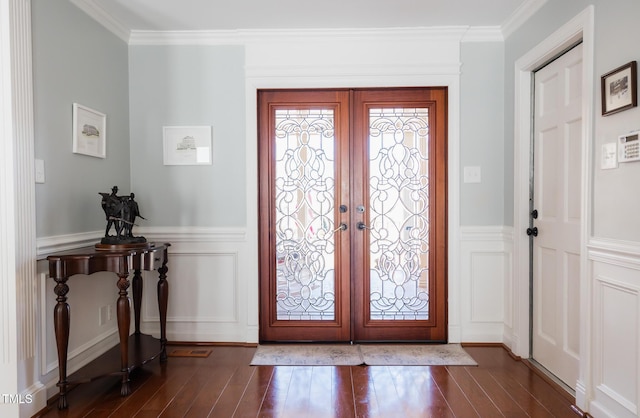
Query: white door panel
[557,193]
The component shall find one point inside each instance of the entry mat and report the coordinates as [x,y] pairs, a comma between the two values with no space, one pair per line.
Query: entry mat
[362,354]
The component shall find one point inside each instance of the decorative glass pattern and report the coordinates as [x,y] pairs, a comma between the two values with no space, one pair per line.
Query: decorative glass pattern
[304,203]
[399,214]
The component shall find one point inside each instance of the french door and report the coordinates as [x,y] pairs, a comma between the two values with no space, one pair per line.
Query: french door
[352,214]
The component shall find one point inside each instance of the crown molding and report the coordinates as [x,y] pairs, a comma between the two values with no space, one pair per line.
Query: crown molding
[238,37]
[520,16]
[255,36]
[101,16]
[200,37]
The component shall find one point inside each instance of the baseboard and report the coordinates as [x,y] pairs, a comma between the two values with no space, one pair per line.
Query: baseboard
[489,344]
[558,388]
[36,397]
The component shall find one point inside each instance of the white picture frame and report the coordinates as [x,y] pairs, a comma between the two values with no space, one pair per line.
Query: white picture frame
[89,131]
[187,145]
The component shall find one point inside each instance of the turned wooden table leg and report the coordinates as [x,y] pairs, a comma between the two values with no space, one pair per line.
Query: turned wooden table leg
[124,321]
[61,321]
[163,297]
[136,286]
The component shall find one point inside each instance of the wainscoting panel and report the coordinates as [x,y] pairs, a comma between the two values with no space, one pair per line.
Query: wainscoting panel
[202,289]
[486,304]
[208,277]
[615,343]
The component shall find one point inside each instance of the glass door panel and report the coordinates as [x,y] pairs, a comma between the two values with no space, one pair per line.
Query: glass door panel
[304,204]
[399,214]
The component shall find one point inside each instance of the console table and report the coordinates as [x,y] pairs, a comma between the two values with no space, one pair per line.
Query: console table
[135,350]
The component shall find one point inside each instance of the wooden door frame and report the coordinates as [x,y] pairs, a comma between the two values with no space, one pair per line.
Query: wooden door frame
[337,330]
[435,98]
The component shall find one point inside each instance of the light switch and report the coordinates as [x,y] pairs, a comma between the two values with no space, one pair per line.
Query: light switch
[609,156]
[39,171]
[472,174]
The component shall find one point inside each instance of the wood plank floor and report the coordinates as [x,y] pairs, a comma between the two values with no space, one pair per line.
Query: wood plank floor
[225,385]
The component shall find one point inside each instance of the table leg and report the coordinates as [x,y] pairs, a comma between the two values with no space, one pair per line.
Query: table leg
[163,298]
[137,298]
[61,321]
[124,322]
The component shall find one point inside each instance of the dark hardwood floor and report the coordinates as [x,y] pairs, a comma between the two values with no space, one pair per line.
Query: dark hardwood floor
[225,385]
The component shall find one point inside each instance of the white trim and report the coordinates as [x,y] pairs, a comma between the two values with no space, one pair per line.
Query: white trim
[97,13]
[263,75]
[233,293]
[192,234]
[486,243]
[240,36]
[486,233]
[17,210]
[580,27]
[357,76]
[85,353]
[52,244]
[173,234]
[8,301]
[270,36]
[520,16]
[620,253]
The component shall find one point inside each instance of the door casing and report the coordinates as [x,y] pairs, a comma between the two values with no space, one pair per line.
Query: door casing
[579,28]
[438,164]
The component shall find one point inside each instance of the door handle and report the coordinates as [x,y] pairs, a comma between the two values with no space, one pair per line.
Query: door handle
[342,227]
[532,231]
[362,226]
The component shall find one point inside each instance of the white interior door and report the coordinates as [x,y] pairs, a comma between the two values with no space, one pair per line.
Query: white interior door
[557,197]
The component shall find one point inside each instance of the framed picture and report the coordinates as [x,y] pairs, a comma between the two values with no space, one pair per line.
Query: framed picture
[89,131]
[187,145]
[620,89]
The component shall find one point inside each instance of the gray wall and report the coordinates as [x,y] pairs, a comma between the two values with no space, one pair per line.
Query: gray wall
[76,60]
[616,192]
[188,86]
[616,201]
[204,85]
[481,133]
